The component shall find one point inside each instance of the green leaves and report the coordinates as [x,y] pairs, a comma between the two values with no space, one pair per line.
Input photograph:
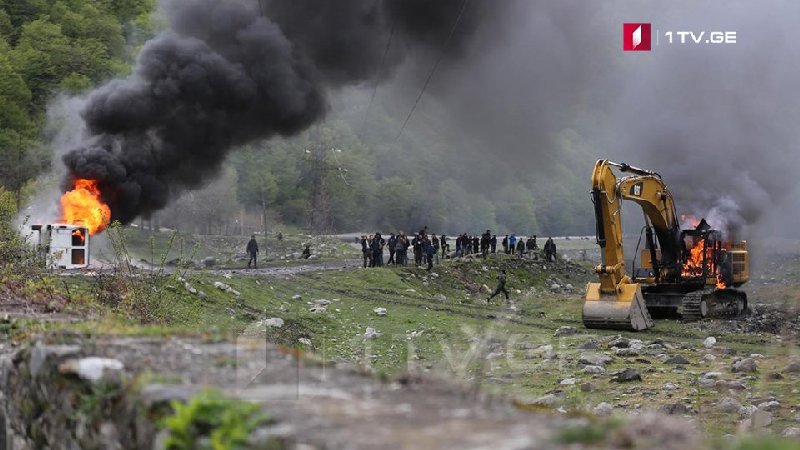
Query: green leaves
[210,421]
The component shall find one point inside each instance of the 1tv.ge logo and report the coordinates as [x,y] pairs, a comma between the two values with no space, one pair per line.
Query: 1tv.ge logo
[636,37]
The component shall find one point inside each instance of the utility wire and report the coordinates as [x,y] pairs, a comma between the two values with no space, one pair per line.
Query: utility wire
[378,77]
[433,70]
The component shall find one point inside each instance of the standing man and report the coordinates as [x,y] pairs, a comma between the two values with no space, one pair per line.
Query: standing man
[417,244]
[494,243]
[476,243]
[443,242]
[435,242]
[521,248]
[252,250]
[512,244]
[377,250]
[365,251]
[549,250]
[505,244]
[486,240]
[501,286]
[429,253]
[392,246]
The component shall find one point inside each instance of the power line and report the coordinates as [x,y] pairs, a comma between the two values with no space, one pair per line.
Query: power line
[378,77]
[433,70]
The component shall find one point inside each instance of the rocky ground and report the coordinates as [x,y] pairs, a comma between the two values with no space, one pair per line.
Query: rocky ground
[108,394]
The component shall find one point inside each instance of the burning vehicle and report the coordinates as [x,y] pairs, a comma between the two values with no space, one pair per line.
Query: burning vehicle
[689,273]
[65,245]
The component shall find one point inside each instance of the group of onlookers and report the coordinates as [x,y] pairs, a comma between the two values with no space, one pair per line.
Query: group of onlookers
[425,247]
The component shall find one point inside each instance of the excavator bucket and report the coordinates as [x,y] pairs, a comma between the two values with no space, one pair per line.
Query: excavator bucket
[624,311]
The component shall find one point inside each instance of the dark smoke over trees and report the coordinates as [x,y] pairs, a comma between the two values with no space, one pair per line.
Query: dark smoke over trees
[224,75]
[529,94]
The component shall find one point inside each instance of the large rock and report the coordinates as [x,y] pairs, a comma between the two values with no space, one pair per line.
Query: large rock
[594,359]
[729,405]
[628,375]
[792,367]
[676,359]
[746,365]
[594,370]
[791,432]
[710,342]
[772,405]
[603,409]
[678,409]
[90,369]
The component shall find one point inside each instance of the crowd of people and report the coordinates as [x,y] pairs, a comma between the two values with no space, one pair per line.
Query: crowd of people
[426,247]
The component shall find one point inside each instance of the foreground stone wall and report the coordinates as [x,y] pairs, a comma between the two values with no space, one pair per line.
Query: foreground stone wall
[106,393]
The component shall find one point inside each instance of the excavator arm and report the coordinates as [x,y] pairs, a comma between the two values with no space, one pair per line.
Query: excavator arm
[616,301]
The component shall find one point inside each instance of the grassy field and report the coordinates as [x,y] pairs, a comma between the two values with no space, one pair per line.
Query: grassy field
[439,322]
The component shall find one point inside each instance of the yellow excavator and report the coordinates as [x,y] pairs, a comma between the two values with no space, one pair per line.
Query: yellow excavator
[689,274]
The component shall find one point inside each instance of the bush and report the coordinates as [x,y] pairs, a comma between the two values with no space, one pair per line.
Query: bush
[210,421]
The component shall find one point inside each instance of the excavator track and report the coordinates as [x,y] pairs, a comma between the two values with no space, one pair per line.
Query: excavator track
[713,304]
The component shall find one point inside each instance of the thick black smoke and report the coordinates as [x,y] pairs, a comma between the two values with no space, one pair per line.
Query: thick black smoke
[224,74]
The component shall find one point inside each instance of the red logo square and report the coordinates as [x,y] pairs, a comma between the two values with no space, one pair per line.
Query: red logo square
[636,37]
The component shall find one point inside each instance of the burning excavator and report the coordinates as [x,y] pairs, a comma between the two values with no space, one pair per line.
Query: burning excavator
[65,245]
[690,274]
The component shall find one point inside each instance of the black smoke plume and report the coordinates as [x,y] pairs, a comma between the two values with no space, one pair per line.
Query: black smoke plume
[229,72]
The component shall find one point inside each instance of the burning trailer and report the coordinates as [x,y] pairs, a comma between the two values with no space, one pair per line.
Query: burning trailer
[62,246]
[65,245]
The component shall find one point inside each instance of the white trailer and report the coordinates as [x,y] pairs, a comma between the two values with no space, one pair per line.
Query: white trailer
[63,246]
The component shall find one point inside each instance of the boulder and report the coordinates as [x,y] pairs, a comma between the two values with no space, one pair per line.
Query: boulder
[628,375]
[729,405]
[676,359]
[594,359]
[746,365]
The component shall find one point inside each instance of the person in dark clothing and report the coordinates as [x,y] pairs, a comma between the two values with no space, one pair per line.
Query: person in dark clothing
[493,243]
[530,246]
[417,243]
[377,250]
[401,249]
[521,248]
[501,286]
[429,253]
[476,245]
[505,244]
[435,242]
[365,251]
[252,251]
[549,250]
[307,251]
[443,243]
[392,244]
[486,239]
[280,236]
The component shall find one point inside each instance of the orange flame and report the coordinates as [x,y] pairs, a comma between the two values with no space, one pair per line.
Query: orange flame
[693,266]
[83,206]
[80,236]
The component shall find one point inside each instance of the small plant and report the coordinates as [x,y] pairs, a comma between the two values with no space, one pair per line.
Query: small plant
[591,433]
[211,421]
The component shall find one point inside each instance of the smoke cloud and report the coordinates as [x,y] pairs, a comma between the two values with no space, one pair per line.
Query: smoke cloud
[224,75]
[719,122]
